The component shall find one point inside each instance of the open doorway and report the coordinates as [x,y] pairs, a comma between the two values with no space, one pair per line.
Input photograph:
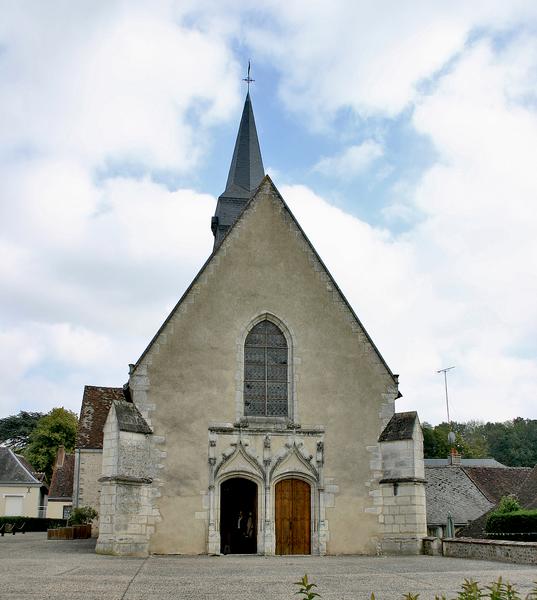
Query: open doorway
[238,516]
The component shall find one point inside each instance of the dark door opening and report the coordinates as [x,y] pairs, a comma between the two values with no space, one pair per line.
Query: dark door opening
[293,517]
[238,516]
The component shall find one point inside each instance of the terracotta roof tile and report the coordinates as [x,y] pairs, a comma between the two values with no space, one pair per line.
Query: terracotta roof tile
[61,485]
[527,494]
[495,483]
[96,403]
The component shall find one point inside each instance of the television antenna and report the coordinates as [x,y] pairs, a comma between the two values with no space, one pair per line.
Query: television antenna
[445,371]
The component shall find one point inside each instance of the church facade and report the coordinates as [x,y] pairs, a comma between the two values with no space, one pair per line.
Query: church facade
[261,417]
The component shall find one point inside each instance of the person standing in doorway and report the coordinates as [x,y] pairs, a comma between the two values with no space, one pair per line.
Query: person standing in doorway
[250,533]
[240,531]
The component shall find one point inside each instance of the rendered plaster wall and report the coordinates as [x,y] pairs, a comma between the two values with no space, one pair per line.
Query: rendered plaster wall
[55,508]
[30,499]
[192,376]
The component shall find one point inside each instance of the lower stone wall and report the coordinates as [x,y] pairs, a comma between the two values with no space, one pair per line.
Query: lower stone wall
[507,551]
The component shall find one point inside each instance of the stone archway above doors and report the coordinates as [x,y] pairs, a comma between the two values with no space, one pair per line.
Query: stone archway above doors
[266,457]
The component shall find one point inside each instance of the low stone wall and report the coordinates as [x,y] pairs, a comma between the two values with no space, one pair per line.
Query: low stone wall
[507,551]
[432,546]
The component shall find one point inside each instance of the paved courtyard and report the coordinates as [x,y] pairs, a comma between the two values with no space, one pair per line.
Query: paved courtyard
[34,568]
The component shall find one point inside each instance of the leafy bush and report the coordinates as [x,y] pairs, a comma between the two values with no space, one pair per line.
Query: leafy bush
[33,523]
[519,521]
[508,504]
[82,515]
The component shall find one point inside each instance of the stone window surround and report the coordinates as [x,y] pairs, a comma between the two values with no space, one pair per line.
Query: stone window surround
[292,360]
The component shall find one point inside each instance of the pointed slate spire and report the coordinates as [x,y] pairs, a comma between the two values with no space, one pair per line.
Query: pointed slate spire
[245,174]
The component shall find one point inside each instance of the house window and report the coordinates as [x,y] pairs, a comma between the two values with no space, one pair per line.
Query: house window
[265,371]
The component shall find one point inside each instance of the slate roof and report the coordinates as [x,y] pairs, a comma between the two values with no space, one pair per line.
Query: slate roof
[96,403]
[475,528]
[465,462]
[245,174]
[246,170]
[497,482]
[129,418]
[15,469]
[400,427]
[450,490]
[61,484]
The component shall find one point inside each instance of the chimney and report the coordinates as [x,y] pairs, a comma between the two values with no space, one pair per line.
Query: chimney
[454,458]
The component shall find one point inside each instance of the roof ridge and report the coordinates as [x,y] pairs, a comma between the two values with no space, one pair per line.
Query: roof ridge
[267,180]
[17,458]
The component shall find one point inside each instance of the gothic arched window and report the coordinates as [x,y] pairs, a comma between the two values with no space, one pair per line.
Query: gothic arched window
[265,371]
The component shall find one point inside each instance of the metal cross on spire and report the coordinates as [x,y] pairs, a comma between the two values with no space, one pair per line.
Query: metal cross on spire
[248,79]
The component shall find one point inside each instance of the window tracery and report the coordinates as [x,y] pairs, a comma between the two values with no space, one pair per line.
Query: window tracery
[266,371]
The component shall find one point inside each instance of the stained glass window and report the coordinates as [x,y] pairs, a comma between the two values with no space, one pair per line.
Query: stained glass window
[265,371]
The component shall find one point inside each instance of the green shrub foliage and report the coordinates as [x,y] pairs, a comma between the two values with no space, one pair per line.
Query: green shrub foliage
[508,504]
[82,515]
[33,523]
[519,521]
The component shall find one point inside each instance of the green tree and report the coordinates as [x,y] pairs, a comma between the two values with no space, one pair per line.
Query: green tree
[16,429]
[55,429]
[475,439]
[513,443]
[470,440]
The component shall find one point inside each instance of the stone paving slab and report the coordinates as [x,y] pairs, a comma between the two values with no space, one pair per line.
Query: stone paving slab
[33,568]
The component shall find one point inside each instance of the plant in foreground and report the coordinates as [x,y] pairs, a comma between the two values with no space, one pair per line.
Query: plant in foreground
[470,590]
[306,588]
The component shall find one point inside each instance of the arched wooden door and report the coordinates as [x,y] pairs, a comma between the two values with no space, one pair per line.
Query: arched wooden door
[293,517]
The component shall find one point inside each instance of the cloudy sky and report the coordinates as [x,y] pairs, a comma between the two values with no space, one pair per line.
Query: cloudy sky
[403,135]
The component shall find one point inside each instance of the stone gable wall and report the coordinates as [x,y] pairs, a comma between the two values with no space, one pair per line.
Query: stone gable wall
[191,378]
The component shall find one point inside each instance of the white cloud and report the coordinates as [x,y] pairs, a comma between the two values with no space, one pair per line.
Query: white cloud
[79,307]
[459,286]
[370,57]
[90,266]
[352,161]
[115,83]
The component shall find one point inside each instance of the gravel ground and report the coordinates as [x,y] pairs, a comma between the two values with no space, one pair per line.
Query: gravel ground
[34,568]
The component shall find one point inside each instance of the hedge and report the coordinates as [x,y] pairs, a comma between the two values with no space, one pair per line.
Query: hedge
[34,523]
[518,521]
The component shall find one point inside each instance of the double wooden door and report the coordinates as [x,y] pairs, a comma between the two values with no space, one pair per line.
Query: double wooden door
[293,517]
